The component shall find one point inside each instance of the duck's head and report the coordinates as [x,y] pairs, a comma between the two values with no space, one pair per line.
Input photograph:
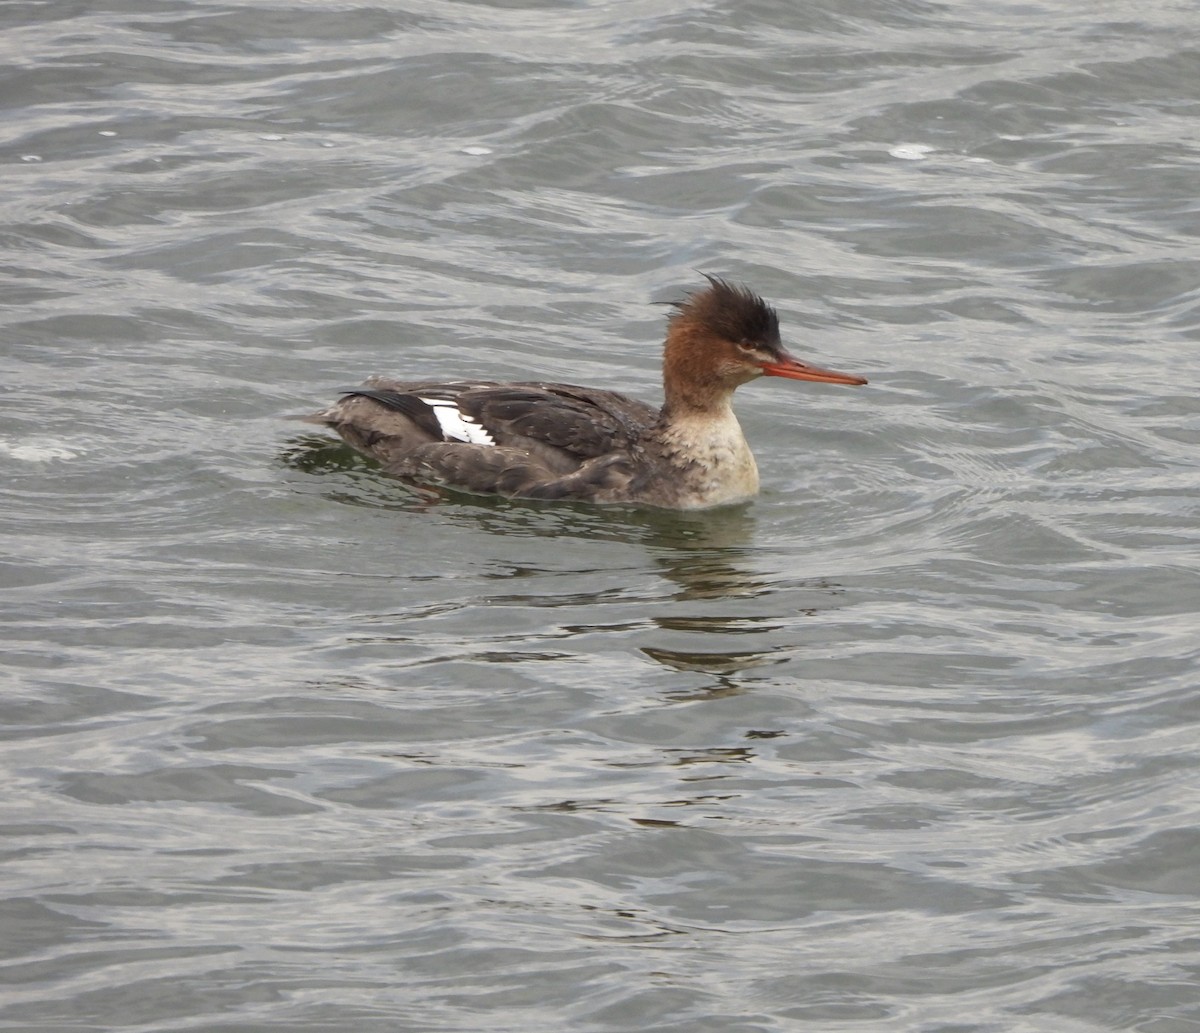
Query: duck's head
[725,335]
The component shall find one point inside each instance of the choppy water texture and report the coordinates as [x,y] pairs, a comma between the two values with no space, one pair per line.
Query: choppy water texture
[908,744]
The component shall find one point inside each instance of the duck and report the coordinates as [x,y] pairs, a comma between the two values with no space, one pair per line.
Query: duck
[550,441]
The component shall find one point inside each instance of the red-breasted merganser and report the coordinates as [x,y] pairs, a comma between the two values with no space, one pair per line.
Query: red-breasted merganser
[558,441]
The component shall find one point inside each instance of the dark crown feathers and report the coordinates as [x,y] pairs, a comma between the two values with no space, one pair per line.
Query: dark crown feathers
[731,311]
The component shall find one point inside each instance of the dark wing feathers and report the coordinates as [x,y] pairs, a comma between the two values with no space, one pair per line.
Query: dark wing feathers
[584,423]
[547,440]
[581,422]
[416,409]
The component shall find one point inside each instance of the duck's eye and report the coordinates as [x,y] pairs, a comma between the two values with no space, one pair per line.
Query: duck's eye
[747,347]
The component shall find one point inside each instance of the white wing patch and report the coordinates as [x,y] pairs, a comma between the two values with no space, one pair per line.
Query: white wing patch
[456,425]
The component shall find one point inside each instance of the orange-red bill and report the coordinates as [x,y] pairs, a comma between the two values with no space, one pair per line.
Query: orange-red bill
[793,369]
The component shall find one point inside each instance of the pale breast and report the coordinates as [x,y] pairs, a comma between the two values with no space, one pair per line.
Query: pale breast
[714,459]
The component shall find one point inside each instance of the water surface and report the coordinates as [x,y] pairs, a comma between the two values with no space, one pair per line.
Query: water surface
[910,743]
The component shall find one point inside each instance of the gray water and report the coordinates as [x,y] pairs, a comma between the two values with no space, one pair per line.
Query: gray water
[909,744]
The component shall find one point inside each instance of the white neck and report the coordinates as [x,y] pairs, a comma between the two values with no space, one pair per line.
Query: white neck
[711,451]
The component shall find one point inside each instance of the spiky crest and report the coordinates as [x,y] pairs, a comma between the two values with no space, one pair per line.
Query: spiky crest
[730,311]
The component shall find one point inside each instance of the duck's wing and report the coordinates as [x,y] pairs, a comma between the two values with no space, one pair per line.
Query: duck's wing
[582,422]
[578,421]
[531,439]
